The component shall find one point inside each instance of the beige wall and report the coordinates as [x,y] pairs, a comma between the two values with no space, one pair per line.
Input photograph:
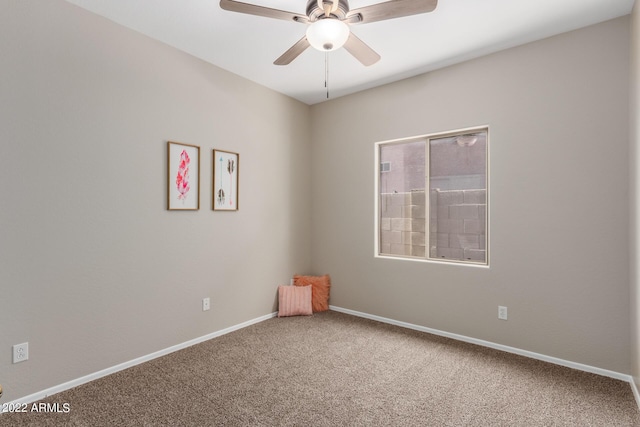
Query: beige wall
[635,193]
[94,271]
[559,129]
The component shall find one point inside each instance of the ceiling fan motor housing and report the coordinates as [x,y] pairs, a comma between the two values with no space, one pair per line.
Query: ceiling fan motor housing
[314,12]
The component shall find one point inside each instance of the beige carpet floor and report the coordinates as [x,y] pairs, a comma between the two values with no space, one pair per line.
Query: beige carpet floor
[333,369]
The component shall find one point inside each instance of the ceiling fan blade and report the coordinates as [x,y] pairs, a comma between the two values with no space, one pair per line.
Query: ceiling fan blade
[389,10]
[293,52]
[252,9]
[361,51]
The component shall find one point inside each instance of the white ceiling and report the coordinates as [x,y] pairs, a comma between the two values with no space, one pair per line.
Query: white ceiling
[247,45]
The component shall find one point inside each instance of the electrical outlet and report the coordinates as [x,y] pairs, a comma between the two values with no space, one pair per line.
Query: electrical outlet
[20,352]
[206,304]
[502,312]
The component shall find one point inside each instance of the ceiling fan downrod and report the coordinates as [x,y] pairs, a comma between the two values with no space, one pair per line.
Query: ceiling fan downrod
[328,7]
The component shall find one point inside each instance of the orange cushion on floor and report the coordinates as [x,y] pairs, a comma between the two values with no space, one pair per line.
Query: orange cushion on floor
[294,301]
[320,292]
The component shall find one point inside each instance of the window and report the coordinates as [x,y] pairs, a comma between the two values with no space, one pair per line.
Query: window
[433,204]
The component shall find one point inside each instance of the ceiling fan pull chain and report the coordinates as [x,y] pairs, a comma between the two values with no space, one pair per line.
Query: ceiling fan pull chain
[326,72]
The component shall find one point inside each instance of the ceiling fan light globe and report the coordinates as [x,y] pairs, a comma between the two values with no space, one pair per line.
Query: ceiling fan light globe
[327,34]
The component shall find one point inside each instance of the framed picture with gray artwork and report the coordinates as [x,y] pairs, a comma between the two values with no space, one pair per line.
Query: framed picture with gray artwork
[226,169]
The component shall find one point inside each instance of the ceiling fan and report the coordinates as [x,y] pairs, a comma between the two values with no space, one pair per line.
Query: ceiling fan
[328,23]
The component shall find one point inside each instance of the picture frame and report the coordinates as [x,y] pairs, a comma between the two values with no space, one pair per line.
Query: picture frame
[226,172]
[183,176]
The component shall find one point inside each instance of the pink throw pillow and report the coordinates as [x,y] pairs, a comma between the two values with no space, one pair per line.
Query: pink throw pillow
[294,301]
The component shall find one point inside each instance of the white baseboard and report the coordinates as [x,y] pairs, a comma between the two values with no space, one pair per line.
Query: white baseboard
[103,373]
[94,376]
[636,394]
[530,354]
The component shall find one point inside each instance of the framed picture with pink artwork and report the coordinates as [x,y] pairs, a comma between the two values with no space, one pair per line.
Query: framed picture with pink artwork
[226,169]
[183,189]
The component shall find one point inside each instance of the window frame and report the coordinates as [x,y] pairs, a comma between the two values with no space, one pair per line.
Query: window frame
[377,214]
